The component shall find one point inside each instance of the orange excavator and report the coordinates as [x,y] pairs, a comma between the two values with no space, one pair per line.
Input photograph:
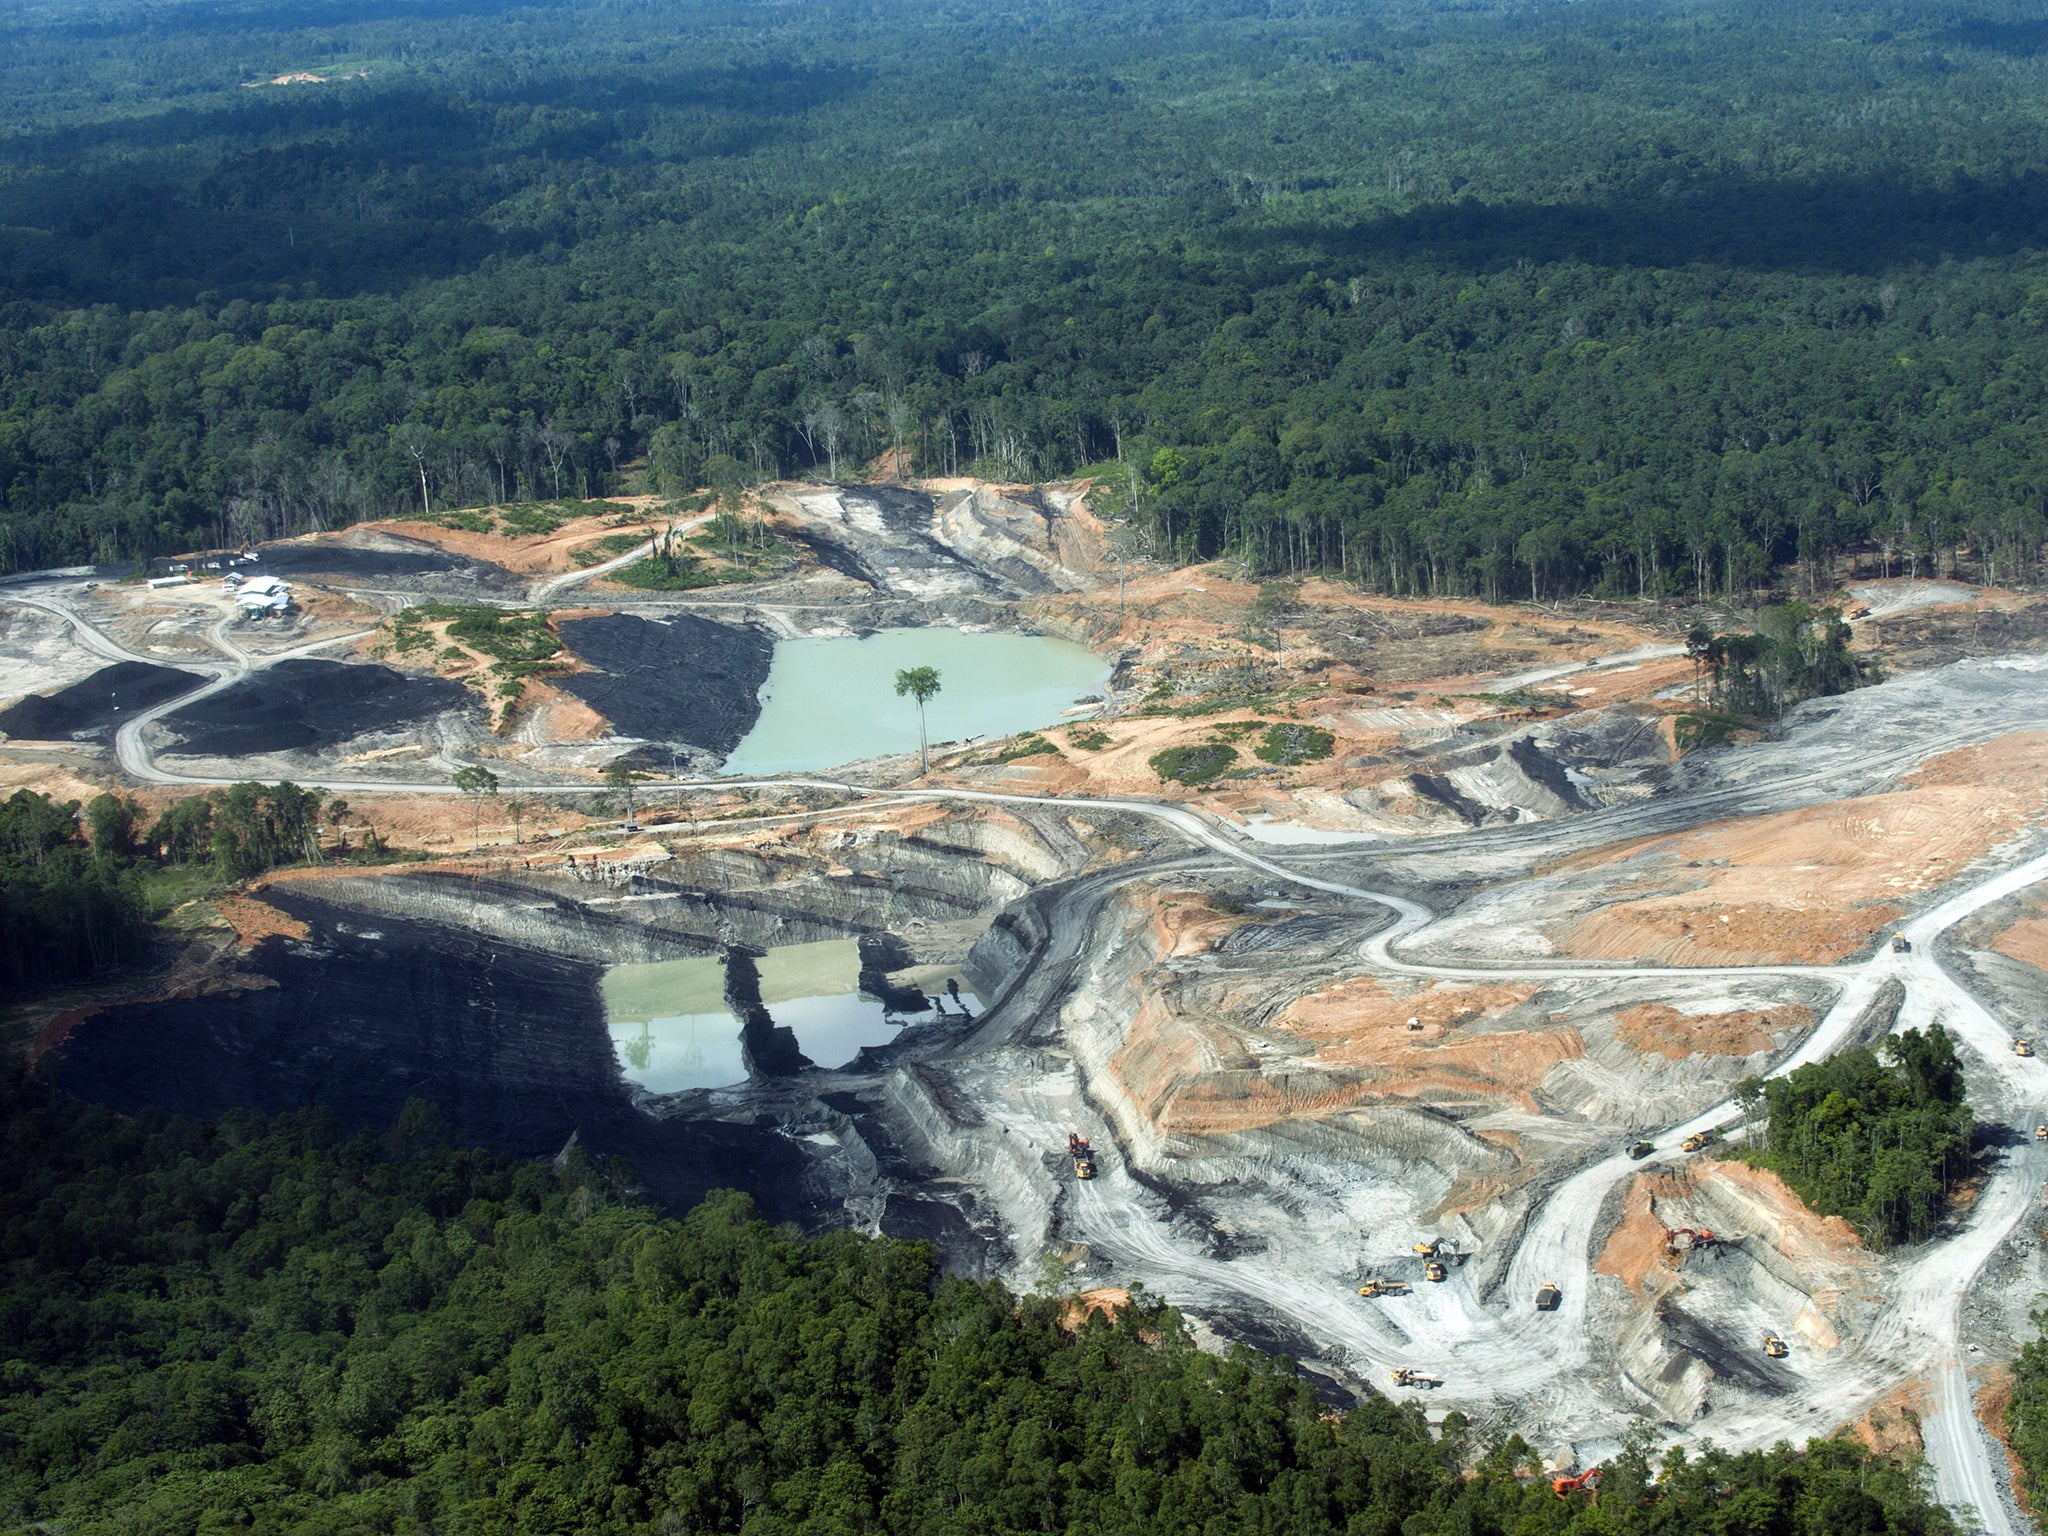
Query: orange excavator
[1582,1482]
[1695,1237]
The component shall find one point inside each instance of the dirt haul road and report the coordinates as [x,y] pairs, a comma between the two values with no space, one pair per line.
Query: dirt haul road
[1489,1353]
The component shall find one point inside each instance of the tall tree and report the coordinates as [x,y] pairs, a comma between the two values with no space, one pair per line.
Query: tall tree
[921,684]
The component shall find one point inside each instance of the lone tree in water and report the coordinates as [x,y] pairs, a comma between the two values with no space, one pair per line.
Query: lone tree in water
[476,782]
[921,684]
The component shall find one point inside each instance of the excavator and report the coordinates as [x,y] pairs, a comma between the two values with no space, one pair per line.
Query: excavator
[1775,1347]
[1585,1482]
[1084,1159]
[1408,1376]
[1430,1247]
[1377,1287]
[1695,1237]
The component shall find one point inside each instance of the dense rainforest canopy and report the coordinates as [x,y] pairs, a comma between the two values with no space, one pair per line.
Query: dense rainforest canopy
[263,1326]
[1880,1137]
[1516,299]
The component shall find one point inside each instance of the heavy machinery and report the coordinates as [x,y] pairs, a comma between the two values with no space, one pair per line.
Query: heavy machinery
[1775,1347]
[2041,1132]
[1434,1271]
[1084,1158]
[1695,1141]
[1579,1482]
[1901,944]
[1640,1149]
[2023,1047]
[1429,1248]
[1408,1376]
[1548,1296]
[1695,1237]
[1378,1287]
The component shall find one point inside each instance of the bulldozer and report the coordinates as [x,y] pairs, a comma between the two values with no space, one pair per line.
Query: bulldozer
[1584,1481]
[1084,1158]
[1639,1149]
[1378,1287]
[1434,1271]
[1775,1347]
[1548,1295]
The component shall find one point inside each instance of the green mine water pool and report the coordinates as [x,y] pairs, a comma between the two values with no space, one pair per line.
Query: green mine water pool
[672,1031]
[832,701]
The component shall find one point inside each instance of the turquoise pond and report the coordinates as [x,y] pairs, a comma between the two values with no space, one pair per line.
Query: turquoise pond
[833,701]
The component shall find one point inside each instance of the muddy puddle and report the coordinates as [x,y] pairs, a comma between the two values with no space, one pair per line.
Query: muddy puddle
[673,1028]
[833,700]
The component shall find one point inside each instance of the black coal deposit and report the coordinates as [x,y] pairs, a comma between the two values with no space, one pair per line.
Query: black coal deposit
[508,1043]
[305,703]
[396,564]
[681,679]
[94,706]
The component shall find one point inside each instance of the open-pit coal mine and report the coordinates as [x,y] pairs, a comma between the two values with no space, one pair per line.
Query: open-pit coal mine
[730,1018]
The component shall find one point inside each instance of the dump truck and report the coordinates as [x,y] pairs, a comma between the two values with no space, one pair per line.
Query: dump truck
[2041,1132]
[1901,944]
[1575,1483]
[1408,1376]
[1548,1295]
[1084,1158]
[1434,1271]
[1775,1347]
[1640,1149]
[1378,1287]
[1695,1141]
[2023,1047]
